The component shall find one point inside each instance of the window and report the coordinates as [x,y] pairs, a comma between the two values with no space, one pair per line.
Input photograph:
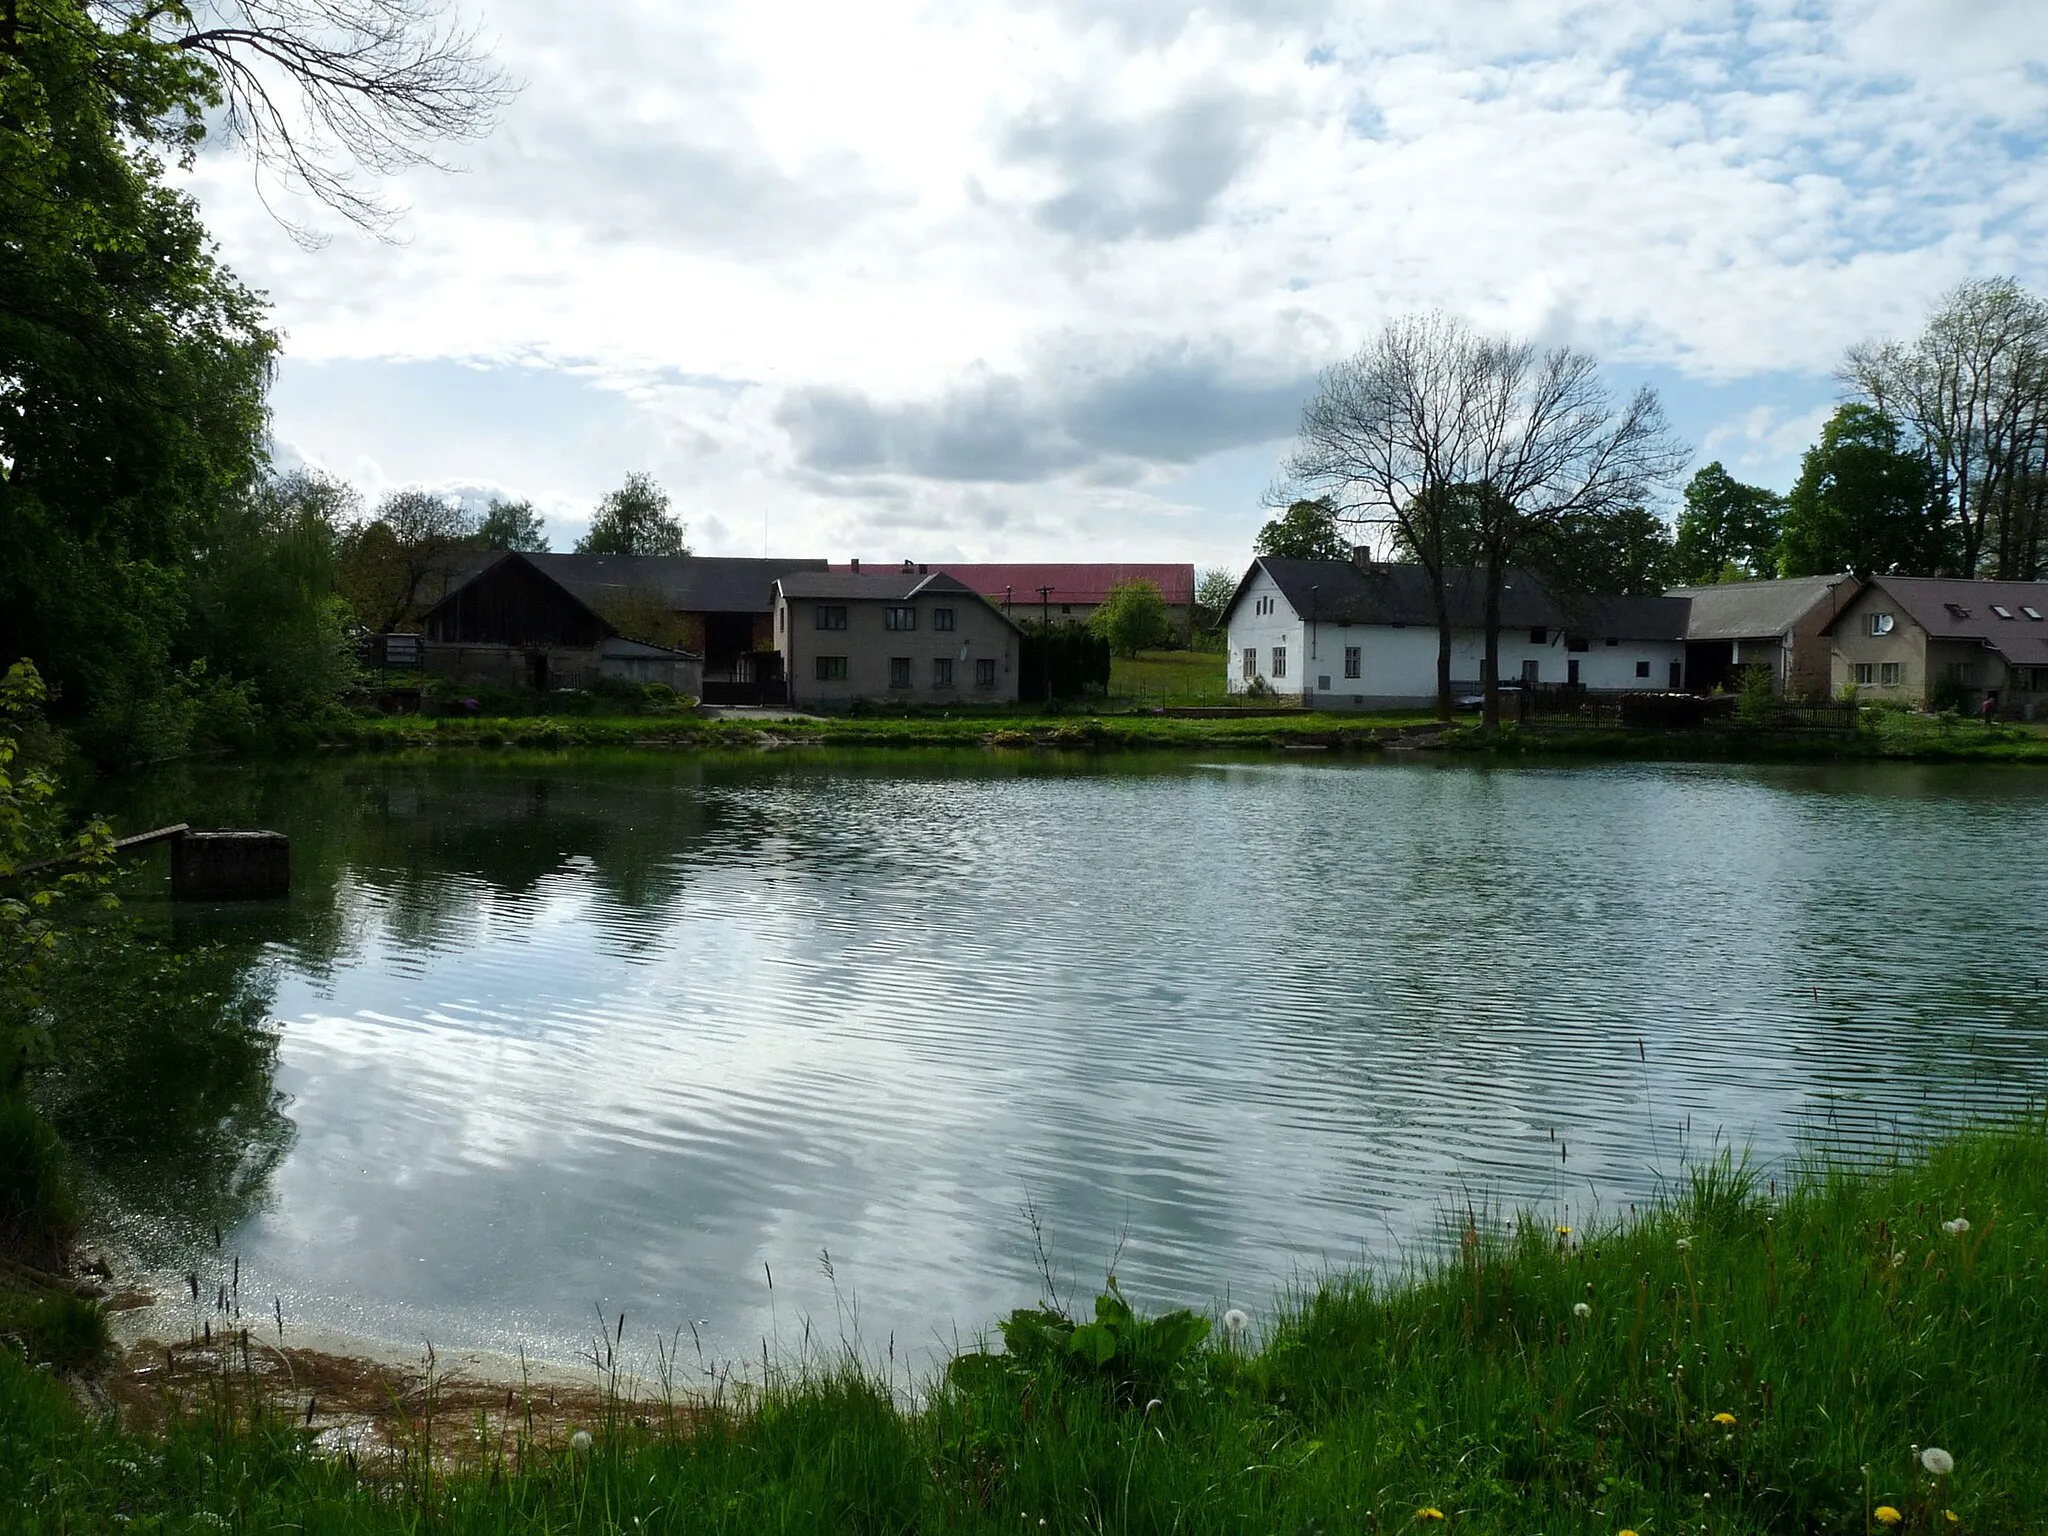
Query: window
[1323,682]
[899,671]
[832,669]
[831,617]
[1614,642]
[1963,673]
[1879,623]
[1577,643]
[985,672]
[1956,610]
[1890,674]
[2032,613]
[942,619]
[1539,636]
[2041,679]
[1642,669]
[1865,674]
[1251,662]
[1279,661]
[899,618]
[942,671]
[1066,607]
[2001,610]
[1354,661]
[781,620]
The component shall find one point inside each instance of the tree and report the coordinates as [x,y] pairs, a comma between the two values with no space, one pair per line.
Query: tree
[634,520]
[1214,588]
[387,564]
[1862,502]
[1726,523]
[512,525]
[1307,530]
[1132,618]
[1387,439]
[1554,450]
[1624,550]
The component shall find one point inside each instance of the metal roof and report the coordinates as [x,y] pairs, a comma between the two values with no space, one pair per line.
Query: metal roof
[1758,610]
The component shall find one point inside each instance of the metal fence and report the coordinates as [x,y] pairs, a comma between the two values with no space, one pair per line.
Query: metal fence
[1563,703]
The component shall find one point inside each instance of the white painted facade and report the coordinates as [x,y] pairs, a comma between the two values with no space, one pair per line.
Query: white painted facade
[1395,665]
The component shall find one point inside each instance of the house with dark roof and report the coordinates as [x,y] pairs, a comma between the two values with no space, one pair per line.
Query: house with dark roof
[512,624]
[1068,593]
[1354,634]
[902,636]
[1781,625]
[1930,639]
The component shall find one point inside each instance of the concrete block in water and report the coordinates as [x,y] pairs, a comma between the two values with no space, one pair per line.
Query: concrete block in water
[227,866]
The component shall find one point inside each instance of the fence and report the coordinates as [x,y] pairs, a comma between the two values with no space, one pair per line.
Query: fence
[1563,703]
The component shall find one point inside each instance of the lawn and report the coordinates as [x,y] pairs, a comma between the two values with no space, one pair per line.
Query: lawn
[1178,677]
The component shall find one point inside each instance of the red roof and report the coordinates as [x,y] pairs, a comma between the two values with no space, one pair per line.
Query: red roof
[1069,583]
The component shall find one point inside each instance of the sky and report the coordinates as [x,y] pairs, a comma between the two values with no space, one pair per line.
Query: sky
[1052,280]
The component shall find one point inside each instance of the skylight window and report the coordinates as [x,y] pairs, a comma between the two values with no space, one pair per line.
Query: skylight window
[2032,613]
[2001,610]
[1956,610]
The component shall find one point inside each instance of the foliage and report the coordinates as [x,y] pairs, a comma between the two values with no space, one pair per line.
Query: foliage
[1624,550]
[1214,588]
[1752,1359]
[1726,525]
[54,1327]
[389,565]
[634,520]
[1061,661]
[1756,693]
[1132,618]
[264,605]
[132,365]
[642,613]
[38,1203]
[512,525]
[1862,503]
[1307,530]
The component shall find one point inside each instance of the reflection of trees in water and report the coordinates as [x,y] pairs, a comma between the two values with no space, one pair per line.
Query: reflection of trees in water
[162,1082]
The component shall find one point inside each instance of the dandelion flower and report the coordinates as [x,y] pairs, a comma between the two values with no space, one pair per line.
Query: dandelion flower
[1937,1461]
[1624,1532]
[580,1441]
[1957,1227]
[1582,1310]
[1429,1512]
[1725,1420]
[1951,1516]
[1235,1322]
[1564,1231]
[1884,1514]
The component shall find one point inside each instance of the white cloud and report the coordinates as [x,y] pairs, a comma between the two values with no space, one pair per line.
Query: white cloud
[991,279]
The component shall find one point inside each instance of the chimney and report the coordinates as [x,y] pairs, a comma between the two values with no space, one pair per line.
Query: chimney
[1361,556]
[906,568]
[856,567]
[923,569]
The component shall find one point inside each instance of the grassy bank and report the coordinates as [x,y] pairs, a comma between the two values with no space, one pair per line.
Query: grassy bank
[1741,1359]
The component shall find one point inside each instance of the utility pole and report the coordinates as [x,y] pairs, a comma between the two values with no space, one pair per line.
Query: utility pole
[1045,637]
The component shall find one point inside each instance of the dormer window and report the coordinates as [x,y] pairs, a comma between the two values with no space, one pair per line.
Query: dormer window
[1879,623]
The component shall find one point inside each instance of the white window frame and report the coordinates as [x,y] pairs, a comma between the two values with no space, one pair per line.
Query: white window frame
[1279,661]
[1864,674]
[1877,624]
[1891,674]
[1354,662]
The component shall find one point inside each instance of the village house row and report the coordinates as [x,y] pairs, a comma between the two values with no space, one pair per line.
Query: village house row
[1334,634]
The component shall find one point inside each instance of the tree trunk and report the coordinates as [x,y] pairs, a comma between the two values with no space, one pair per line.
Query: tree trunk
[1443,652]
[1489,665]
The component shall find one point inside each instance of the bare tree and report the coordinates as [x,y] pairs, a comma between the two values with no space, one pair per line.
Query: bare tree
[1387,439]
[398,562]
[1553,448]
[320,91]
[1973,389]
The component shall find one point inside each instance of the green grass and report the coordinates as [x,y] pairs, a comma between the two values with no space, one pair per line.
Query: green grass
[1836,1322]
[1195,677]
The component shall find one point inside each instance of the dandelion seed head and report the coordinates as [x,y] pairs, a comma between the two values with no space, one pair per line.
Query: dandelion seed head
[1937,1461]
[1684,1244]
[1235,1321]
[1956,1227]
[1582,1310]
[580,1441]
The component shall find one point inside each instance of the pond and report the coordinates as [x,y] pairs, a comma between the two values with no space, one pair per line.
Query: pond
[753,1043]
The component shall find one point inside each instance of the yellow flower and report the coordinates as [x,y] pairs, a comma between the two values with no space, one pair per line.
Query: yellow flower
[1564,1231]
[1884,1514]
[1429,1512]
[1950,1516]
[1624,1533]
[1725,1420]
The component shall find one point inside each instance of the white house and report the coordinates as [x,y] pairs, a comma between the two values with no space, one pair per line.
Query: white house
[1349,634]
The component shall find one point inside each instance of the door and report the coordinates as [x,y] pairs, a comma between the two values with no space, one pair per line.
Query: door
[1571,673]
[1532,670]
[1678,674]
[537,670]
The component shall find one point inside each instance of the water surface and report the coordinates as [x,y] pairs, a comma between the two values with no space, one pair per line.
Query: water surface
[640,1033]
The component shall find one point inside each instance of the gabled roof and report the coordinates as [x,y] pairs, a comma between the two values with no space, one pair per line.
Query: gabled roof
[1071,583]
[682,583]
[1343,592]
[881,587]
[1951,608]
[1758,610]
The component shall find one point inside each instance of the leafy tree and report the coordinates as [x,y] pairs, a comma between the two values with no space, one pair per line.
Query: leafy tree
[1615,550]
[264,601]
[1132,618]
[1726,523]
[634,520]
[1214,588]
[1862,503]
[512,525]
[1307,530]
[388,564]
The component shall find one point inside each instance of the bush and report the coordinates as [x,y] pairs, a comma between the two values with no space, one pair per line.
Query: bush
[1132,618]
[38,1205]
[57,1329]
